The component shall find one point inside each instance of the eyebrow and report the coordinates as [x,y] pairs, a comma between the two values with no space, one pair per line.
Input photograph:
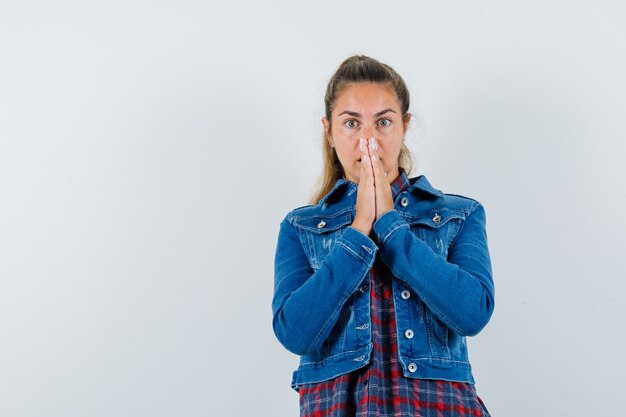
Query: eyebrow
[355,114]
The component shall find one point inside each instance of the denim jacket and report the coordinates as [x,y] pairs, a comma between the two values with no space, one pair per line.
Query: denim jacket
[435,245]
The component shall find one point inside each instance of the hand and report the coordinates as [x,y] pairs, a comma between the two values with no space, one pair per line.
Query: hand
[366,194]
[383,195]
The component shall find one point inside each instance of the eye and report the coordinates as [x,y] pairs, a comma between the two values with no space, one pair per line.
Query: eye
[384,122]
[350,123]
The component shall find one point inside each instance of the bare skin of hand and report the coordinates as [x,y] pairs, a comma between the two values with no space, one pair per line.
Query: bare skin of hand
[384,199]
[374,196]
[366,193]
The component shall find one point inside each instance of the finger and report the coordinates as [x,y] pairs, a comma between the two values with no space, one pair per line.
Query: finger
[367,175]
[377,167]
[380,176]
[371,157]
[366,161]
[363,148]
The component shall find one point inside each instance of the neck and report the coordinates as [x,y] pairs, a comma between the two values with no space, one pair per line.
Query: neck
[393,174]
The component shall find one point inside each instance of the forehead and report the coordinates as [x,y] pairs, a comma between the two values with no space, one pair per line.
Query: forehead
[370,96]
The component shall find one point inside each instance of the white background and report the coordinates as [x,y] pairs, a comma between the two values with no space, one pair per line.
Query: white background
[149,150]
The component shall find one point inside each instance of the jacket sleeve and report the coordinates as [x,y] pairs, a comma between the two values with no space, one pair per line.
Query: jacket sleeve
[459,290]
[306,303]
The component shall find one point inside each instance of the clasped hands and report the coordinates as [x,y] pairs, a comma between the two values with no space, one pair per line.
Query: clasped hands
[374,196]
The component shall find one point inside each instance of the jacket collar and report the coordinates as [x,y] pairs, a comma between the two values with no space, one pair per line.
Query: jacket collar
[421,183]
[342,185]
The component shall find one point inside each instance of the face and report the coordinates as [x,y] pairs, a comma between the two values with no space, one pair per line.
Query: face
[366,110]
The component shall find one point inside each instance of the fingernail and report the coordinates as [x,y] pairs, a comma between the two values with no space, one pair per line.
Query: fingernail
[361,144]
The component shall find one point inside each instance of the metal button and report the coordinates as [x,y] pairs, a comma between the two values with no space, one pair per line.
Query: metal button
[406,294]
[404,202]
[437,218]
[321,224]
[408,334]
[412,367]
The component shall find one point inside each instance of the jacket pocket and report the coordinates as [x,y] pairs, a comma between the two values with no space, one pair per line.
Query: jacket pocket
[437,228]
[320,233]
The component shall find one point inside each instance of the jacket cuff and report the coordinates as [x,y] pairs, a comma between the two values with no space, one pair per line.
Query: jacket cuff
[359,245]
[387,224]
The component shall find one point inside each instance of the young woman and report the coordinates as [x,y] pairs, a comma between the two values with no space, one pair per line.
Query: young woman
[380,279]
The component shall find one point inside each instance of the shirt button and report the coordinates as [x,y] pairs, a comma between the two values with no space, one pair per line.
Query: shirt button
[406,294]
[408,334]
[404,202]
[321,224]
[437,218]
[412,367]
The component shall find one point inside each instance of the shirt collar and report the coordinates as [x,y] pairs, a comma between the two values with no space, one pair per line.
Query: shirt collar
[400,184]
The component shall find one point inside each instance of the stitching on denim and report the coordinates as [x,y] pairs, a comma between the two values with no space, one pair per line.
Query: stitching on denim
[471,211]
[445,218]
[451,324]
[337,215]
[326,358]
[432,307]
[399,226]
[361,274]
[430,359]
[431,333]
[319,334]
[329,216]
[305,242]
[311,254]
[453,232]
[349,249]
[429,304]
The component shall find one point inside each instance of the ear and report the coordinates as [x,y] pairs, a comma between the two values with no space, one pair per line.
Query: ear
[407,120]
[326,124]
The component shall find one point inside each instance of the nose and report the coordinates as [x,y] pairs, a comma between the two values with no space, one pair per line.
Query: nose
[368,131]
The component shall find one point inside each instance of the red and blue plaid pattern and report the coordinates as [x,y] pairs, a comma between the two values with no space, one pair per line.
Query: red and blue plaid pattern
[380,388]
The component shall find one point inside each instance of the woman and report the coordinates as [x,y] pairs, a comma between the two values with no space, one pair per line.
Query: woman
[381,278]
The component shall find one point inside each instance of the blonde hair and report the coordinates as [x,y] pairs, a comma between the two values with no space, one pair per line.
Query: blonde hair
[355,69]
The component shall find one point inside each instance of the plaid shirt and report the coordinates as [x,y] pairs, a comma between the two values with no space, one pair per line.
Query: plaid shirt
[380,388]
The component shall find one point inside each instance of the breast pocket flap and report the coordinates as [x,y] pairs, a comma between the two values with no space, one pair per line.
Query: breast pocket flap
[324,224]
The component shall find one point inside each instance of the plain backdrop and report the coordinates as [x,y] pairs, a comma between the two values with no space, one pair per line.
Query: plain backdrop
[149,150]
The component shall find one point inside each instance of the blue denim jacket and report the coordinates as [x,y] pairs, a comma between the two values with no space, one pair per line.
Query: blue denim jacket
[434,243]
